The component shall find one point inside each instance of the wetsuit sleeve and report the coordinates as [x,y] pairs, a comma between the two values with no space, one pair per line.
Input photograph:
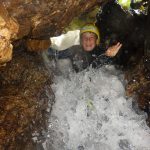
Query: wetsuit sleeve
[60,54]
[100,59]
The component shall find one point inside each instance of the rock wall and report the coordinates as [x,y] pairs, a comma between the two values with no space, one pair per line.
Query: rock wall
[25,96]
[36,19]
[8,30]
[24,82]
[139,76]
[25,91]
[133,31]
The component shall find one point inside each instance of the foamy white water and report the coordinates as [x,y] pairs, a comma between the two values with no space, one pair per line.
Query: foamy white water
[91,112]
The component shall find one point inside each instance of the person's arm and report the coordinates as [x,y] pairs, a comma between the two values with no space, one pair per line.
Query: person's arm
[106,57]
[113,50]
[101,60]
[59,54]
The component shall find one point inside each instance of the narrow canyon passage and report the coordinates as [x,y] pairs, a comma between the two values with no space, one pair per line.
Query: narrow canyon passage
[91,110]
[96,109]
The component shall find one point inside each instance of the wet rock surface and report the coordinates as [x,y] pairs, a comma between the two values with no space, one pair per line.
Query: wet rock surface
[8,30]
[25,91]
[130,29]
[139,76]
[139,85]
[25,96]
[37,45]
[36,19]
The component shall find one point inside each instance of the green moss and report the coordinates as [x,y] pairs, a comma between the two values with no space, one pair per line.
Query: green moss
[126,3]
[78,22]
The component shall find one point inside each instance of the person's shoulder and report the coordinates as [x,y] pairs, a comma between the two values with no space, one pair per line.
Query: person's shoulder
[75,48]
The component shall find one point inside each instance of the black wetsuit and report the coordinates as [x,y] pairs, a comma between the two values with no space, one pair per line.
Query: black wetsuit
[82,59]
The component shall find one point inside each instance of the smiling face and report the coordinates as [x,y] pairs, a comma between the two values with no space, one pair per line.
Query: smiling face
[88,41]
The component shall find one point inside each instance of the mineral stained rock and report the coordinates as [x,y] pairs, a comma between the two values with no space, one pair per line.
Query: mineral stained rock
[37,45]
[8,31]
[36,19]
[25,95]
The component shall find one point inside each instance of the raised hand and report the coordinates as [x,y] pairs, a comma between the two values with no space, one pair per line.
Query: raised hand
[113,50]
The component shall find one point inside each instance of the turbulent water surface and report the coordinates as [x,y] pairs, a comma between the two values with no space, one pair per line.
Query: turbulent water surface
[91,112]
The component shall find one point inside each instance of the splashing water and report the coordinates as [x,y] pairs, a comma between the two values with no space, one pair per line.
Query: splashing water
[91,112]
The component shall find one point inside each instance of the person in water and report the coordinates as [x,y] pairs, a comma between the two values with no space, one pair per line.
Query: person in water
[89,52]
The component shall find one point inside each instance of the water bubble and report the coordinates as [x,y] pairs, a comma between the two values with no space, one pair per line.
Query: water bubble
[124,144]
[81,147]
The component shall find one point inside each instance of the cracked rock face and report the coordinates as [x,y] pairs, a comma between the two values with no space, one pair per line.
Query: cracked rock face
[8,30]
[36,19]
